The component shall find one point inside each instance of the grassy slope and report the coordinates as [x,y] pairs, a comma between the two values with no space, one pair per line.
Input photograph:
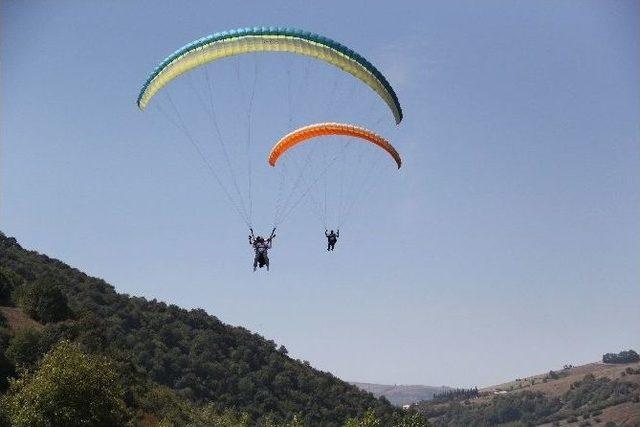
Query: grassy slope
[624,414]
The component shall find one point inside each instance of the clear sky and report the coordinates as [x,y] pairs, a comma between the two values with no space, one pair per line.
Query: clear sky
[507,245]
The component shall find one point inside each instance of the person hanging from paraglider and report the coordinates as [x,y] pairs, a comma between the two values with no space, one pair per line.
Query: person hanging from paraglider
[261,247]
[332,238]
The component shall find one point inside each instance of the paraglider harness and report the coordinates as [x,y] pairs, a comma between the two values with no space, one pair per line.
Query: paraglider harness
[332,238]
[261,247]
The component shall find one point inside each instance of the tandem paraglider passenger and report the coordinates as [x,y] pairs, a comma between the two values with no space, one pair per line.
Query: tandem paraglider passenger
[261,247]
[332,238]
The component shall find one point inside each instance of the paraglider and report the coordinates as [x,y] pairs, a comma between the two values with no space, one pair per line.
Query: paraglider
[261,247]
[332,239]
[314,132]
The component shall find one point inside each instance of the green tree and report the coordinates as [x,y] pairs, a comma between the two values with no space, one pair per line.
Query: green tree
[412,420]
[44,301]
[6,371]
[5,289]
[24,348]
[69,388]
[6,367]
[171,409]
[629,356]
[369,419]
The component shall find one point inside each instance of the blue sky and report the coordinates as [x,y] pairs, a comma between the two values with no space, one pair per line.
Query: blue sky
[507,245]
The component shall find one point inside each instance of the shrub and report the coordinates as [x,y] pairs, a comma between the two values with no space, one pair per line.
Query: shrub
[43,300]
[628,356]
[24,348]
[456,394]
[6,371]
[69,388]
[5,289]
[369,419]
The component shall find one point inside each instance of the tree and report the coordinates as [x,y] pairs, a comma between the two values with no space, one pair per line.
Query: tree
[5,289]
[629,356]
[412,420]
[369,419]
[6,371]
[68,388]
[44,301]
[24,348]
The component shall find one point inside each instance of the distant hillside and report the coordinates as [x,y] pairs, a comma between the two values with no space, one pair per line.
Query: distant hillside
[401,394]
[173,363]
[592,394]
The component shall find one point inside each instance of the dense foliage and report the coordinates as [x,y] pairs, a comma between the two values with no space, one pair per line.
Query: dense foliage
[43,300]
[532,408]
[6,367]
[369,419]
[162,350]
[69,388]
[6,287]
[23,349]
[456,394]
[628,356]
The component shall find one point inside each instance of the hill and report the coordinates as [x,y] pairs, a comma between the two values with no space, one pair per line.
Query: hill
[592,394]
[400,395]
[191,359]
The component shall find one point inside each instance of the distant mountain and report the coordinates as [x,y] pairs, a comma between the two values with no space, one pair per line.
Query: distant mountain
[402,394]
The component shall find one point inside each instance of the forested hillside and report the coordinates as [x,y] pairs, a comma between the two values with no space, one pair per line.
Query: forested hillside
[165,364]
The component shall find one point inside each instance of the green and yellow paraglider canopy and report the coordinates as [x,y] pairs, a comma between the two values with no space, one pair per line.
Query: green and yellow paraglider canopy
[268,39]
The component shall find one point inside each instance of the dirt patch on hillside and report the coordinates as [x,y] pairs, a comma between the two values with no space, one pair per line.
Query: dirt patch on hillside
[18,321]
